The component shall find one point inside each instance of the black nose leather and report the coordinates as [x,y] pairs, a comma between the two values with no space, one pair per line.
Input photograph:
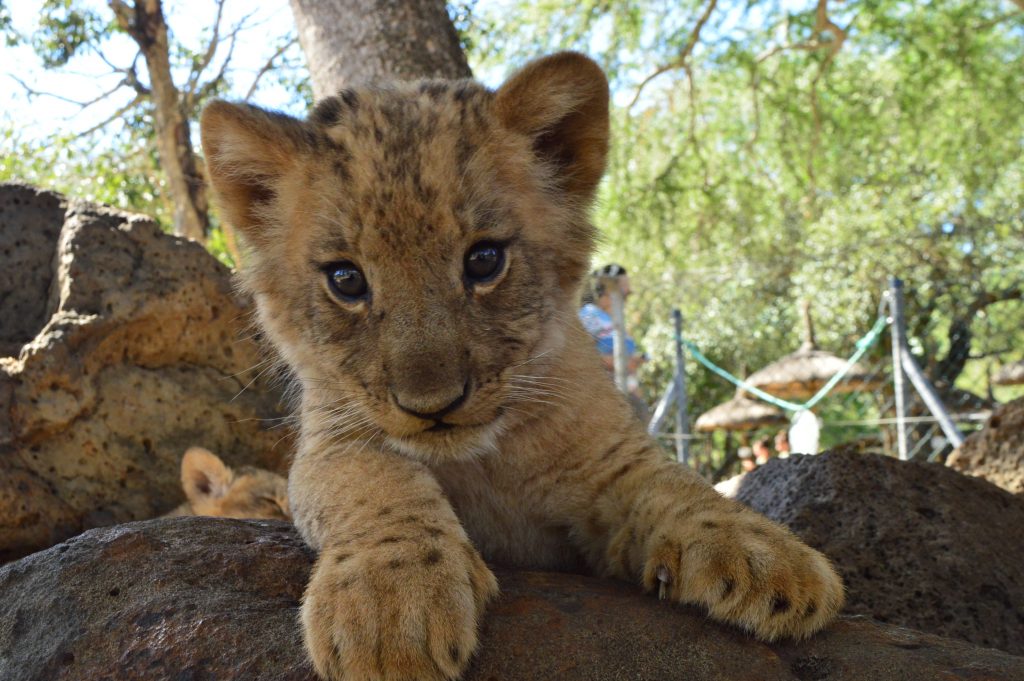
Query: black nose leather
[440,413]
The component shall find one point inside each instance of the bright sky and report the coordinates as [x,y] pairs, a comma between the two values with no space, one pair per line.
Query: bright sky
[87,76]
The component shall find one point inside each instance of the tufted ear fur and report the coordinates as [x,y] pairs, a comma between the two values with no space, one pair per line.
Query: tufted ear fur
[204,476]
[249,154]
[561,102]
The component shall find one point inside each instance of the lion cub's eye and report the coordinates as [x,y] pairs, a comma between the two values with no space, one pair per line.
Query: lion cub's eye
[345,280]
[484,261]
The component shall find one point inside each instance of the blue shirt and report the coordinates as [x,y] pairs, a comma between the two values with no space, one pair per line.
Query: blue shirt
[598,324]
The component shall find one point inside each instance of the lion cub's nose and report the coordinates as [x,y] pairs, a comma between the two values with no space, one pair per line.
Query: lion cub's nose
[430,407]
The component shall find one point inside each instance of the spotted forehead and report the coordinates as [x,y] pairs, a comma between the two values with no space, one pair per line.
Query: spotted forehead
[404,162]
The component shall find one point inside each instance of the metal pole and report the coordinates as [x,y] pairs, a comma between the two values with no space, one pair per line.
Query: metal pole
[661,410]
[619,356]
[899,338]
[931,399]
[682,424]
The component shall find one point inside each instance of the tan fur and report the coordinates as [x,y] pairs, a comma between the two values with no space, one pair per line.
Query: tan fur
[214,489]
[544,465]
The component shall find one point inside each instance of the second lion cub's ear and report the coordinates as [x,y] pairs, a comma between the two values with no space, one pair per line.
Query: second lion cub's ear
[249,154]
[204,476]
[561,101]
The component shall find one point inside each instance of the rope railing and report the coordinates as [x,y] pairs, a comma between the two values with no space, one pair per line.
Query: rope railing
[862,345]
[919,422]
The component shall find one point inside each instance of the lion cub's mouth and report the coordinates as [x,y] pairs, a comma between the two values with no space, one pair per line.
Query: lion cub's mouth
[443,441]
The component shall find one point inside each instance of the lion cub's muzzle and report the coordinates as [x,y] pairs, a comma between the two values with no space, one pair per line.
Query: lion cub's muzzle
[430,382]
[431,407]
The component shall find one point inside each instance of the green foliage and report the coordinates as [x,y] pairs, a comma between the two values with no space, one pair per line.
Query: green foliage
[465,20]
[792,159]
[115,176]
[217,245]
[7,26]
[117,162]
[122,174]
[65,28]
[776,158]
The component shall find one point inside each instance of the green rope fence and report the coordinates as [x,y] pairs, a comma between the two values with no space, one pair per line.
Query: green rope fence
[863,345]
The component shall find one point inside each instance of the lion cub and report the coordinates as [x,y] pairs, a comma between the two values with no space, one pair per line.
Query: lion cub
[213,489]
[415,252]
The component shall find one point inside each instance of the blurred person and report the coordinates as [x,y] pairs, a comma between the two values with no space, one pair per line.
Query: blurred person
[596,316]
[731,487]
[762,451]
[746,455]
[782,447]
[596,313]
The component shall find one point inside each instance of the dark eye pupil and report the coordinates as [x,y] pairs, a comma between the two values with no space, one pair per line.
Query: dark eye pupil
[346,280]
[484,261]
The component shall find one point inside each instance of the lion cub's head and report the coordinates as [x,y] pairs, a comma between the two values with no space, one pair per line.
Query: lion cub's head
[415,249]
[214,489]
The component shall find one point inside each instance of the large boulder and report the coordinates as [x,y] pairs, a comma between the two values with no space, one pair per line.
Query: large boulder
[201,598]
[917,544]
[996,452]
[120,346]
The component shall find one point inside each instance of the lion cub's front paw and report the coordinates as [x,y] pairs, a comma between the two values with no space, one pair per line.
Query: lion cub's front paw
[747,571]
[396,611]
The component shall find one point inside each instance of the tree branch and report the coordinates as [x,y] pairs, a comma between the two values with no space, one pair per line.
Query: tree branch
[32,92]
[192,96]
[131,76]
[136,100]
[990,353]
[680,61]
[987,298]
[211,50]
[694,141]
[823,24]
[270,64]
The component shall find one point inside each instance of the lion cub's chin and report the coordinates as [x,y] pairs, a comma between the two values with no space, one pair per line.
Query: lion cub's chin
[460,442]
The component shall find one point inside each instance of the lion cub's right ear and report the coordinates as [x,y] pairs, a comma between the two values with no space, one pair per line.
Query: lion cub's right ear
[204,476]
[249,154]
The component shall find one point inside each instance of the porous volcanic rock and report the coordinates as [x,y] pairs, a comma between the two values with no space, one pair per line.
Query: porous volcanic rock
[917,544]
[30,222]
[996,452]
[202,598]
[121,347]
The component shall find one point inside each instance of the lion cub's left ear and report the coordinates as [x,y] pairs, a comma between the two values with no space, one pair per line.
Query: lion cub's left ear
[561,102]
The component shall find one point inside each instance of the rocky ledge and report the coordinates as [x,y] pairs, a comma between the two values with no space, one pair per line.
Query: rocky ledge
[199,598]
[120,346]
[996,452]
[917,544]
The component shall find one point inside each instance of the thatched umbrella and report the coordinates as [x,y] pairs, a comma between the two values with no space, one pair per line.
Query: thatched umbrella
[1011,374]
[740,413]
[802,373]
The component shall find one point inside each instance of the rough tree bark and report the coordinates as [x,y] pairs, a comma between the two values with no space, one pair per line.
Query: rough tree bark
[143,20]
[359,41]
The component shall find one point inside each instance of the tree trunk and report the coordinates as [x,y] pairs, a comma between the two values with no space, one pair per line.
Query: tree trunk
[360,41]
[949,368]
[144,22]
